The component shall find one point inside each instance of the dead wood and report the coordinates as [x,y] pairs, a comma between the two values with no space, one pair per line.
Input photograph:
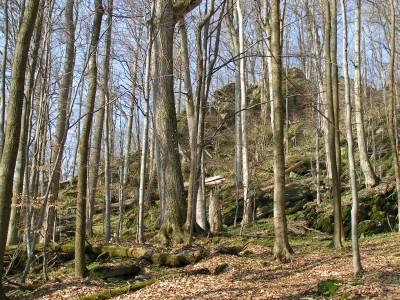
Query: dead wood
[113,270]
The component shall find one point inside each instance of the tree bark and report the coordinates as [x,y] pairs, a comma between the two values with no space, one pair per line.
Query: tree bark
[215,213]
[80,234]
[247,212]
[371,179]
[166,123]
[335,87]
[392,105]
[14,113]
[357,269]
[3,76]
[282,249]
[12,237]
[145,137]
[108,105]
[62,113]
[337,237]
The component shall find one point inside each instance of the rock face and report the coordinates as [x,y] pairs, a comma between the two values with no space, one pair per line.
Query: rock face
[377,211]
[297,196]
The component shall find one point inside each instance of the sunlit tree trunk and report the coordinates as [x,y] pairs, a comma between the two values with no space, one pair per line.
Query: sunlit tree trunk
[335,87]
[3,76]
[282,249]
[80,234]
[232,25]
[337,238]
[99,128]
[392,105]
[247,212]
[166,124]
[14,113]
[357,269]
[63,103]
[371,179]
[108,116]
[12,237]
[145,136]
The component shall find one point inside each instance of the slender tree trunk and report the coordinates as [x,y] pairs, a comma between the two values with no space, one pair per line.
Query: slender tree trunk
[12,237]
[99,128]
[132,113]
[63,103]
[392,105]
[190,115]
[282,249]
[234,39]
[357,269]
[337,238]
[335,87]
[247,213]
[371,179]
[3,76]
[108,117]
[145,136]
[80,234]
[14,113]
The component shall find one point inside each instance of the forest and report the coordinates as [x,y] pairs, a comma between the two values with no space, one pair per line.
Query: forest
[199,149]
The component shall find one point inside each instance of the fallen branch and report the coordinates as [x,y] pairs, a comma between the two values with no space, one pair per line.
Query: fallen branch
[116,292]
[162,259]
[232,250]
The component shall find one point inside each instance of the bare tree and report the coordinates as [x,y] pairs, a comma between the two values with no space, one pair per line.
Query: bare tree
[247,213]
[14,113]
[337,238]
[63,103]
[80,234]
[282,249]
[371,179]
[145,137]
[392,104]
[357,269]
[3,76]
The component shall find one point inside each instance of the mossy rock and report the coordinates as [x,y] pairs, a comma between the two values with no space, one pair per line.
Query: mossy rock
[325,222]
[296,207]
[297,192]
[329,288]
[379,217]
[265,210]
[370,227]
[107,271]
[228,198]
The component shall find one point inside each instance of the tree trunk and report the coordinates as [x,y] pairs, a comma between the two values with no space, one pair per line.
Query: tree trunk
[80,235]
[145,137]
[392,105]
[247,212]
[14,113]
[215,214]
[234,41]
[357,269]
[335,88]
[371,179]
[166,123]
[12,237]
[108,105]
[3,76]
[337,238]
[63,103]
[282,249]
[190,115]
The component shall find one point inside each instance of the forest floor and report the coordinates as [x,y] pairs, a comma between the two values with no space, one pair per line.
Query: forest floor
[253,274]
